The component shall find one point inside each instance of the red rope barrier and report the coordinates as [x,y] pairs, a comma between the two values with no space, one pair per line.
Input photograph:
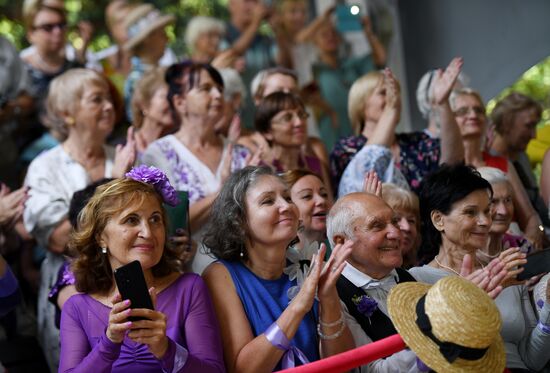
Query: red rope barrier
[353,358]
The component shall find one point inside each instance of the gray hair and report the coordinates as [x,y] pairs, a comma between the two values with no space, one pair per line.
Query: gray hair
[424,91]
[232,84]
[227,229]
[199,25]
[258,83]
[493,175]
[465,91]
[64,94]
[340,220]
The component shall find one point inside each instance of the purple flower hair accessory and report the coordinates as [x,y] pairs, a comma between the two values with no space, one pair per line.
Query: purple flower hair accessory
[365,304]
[157,178]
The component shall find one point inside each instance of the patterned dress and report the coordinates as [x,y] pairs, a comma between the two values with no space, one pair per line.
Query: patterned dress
[186,172]
[419,155]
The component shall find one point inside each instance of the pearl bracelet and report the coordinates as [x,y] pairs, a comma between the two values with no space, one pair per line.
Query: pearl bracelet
[331,324]
[331,336]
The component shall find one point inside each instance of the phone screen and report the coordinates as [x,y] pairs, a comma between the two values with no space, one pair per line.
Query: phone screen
[348,18]
[178,216]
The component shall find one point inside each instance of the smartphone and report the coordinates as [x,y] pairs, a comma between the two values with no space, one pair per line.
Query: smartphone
[348,17]
[178,216]
[131,285]
[537,263]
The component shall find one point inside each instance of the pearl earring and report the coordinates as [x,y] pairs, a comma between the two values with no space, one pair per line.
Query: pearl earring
[104,250]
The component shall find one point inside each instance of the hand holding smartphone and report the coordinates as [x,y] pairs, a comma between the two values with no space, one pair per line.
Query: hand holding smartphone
[131,285]
[537,263]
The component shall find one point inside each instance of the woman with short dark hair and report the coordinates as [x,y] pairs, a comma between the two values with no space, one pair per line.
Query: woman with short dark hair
[123,222]
[455,206]
[282,120]
[266,319]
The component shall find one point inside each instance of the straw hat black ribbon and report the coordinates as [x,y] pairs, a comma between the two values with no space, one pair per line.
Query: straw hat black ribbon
[450,351]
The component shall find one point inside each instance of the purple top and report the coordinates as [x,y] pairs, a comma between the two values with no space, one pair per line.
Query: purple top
[9,292]
[192,330]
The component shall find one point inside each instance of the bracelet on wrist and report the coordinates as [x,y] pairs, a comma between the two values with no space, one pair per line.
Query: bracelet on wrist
[277,337]
[544,328]
[331,324]
[329,337]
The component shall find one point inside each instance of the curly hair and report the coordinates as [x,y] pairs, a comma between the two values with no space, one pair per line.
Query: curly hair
[92,270]
[440,191]
[226,232]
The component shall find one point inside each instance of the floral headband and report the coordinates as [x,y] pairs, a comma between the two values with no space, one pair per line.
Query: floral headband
[155,177]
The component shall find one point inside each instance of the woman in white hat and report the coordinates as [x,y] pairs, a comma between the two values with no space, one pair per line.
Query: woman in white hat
[146,43]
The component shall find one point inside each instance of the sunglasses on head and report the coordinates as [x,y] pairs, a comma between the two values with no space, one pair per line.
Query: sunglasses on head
[49,27]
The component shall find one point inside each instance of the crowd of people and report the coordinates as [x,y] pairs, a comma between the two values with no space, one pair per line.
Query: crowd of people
[305,208]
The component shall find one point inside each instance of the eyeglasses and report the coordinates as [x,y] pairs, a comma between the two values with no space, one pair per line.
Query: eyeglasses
[289,116]
[478,110]
[49,27]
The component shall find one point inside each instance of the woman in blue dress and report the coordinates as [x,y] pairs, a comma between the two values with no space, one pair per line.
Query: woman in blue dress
[253,222]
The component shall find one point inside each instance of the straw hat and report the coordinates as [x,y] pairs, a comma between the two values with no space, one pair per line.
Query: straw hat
[458,312]
[141,21]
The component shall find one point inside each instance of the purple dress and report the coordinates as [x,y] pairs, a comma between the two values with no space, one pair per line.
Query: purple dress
[192,330]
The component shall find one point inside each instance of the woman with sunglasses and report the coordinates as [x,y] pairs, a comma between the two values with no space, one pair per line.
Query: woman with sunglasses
[46,25]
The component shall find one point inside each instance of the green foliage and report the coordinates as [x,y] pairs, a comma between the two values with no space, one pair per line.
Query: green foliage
[11,24]
[534,83]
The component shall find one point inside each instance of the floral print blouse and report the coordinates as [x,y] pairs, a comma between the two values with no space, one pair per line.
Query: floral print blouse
[419,154]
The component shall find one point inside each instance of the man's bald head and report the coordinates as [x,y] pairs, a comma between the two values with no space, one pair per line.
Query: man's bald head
[347,209]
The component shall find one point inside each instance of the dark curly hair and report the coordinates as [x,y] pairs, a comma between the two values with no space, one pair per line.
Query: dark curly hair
[92,270]
[226,232]
[440,191]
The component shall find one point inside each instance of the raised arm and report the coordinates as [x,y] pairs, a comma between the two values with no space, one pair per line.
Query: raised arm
[306,34]
[379,54]
[452,149]
[240,45]
[528,219]
[384,132]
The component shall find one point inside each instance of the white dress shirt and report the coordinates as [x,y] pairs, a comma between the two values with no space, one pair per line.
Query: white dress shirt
[402,361]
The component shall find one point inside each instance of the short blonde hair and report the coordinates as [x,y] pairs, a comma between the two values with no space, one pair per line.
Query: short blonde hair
[144,91]
[32,7]
[199,25]
[65,91]
[361,89]
[400,199]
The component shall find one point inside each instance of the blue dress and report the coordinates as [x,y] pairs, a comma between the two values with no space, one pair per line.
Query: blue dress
[265,300]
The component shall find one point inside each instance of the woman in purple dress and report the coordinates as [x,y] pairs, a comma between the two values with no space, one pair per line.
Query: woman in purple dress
[125,221]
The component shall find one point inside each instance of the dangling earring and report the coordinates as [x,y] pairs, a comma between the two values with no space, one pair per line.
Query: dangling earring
[104,250]
[242,254]
[69,121]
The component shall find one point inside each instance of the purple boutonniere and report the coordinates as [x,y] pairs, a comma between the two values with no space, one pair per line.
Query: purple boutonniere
[158,180]
[365,305]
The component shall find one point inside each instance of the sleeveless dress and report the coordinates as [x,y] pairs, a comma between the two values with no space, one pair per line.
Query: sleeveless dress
[265,300]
